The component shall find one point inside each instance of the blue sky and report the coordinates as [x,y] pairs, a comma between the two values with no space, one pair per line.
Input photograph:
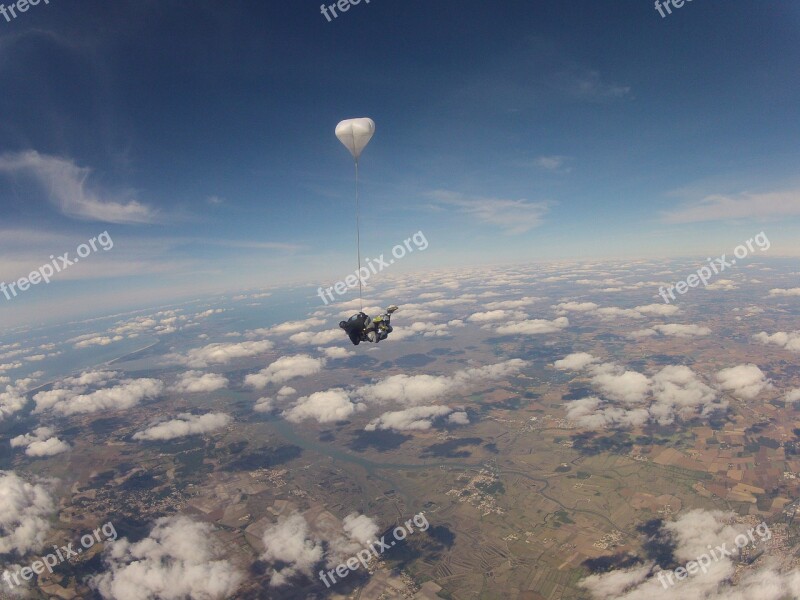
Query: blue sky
[201,138]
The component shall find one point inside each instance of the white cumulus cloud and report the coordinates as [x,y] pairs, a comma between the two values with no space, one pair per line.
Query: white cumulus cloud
[576,361]
[325,407]
[25,512]
[290,542]
[197,381]
[71,396]
[743,381]
[682,331]
[285,369]
[533,326]
[223,353]
[418,389]
[179,559]
[41,442]
[785,339]
[418,418]
[185,425]
[785,292]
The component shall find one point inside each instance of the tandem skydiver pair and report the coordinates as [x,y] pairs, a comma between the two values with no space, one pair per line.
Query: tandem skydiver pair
[360,328]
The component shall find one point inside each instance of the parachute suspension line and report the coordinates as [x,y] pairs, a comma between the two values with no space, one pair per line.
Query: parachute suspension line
[358,245]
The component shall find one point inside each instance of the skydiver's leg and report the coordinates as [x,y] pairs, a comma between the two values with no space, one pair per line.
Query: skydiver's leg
[387,316]
[380,324]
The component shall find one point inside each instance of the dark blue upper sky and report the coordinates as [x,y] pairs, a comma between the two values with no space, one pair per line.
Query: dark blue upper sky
[200,135]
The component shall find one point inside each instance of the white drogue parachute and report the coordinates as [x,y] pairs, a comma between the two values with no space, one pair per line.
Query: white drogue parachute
[355,134]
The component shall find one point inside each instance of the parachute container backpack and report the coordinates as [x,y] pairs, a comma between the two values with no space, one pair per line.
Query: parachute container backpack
[355,134]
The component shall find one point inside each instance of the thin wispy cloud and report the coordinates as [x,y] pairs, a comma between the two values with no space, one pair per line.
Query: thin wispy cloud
[589,85]
[513,216]
[66,186]
[554,163]
[720,207]
[251,245]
